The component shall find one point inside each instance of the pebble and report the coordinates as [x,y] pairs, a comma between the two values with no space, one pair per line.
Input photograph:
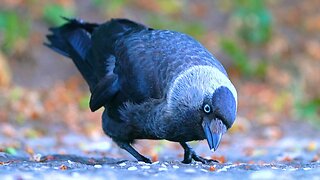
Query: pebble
[122,164]
[163,165]
[175,167]
[225,168]
[132,168]
[156,162]
[292,169]
[70,162]
[98,166]
[162,169]
[141,163]
[145,167]
[307,168]
[203,170]
[37,157]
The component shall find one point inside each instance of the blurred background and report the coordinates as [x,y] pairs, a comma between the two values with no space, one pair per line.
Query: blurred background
[270,48]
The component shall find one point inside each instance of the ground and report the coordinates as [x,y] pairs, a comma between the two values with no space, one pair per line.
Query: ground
[250,155]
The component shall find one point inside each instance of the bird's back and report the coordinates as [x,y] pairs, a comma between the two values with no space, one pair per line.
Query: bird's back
[148,61]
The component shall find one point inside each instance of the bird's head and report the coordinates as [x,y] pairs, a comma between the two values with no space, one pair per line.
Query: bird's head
[219,113]
[205,96]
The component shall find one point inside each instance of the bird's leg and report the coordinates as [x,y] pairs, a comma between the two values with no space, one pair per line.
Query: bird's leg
[115,130]
[126,146]
[190,154]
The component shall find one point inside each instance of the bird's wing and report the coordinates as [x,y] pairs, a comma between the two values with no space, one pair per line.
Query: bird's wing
[135,63]
[102,59]
[149,60]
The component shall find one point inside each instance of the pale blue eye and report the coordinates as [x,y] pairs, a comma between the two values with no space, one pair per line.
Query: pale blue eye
[207,108]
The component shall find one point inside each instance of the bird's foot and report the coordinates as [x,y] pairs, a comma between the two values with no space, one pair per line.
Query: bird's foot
[188,159]
[126,146]
[190,154]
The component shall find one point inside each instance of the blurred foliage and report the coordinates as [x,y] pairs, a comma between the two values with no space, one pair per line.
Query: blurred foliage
[309,110]
[252,25]
[246,35]
[253,21]
[194,29]
[241,60]
[11,151]
[52,13]
[306,109]
[84,101]
[15,94]
[14,29]
[110,7]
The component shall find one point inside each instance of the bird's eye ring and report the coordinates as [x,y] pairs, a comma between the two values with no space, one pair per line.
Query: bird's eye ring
[207,108]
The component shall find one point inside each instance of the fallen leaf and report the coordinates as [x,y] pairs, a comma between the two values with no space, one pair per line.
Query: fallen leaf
[212,168]
[221,159]
[315,158]
[154,157]
[63,167]
[287,159]
[29,150]
[312,146]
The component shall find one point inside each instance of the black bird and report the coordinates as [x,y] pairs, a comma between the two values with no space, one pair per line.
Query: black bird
[153,84]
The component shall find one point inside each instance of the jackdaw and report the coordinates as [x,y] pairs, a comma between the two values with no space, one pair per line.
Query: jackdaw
[153,84]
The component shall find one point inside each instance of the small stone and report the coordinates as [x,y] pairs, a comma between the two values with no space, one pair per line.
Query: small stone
[122,164]
[307,168]
[163,165]
[37,157]
[292,169]
[141,163]
[203,170]
[70,162]
[162,169]
[132,168]
[98,166]
[145,167]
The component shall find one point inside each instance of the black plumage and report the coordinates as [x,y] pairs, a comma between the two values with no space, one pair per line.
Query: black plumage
[153,84]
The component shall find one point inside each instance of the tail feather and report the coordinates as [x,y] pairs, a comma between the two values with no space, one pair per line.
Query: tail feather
[73,40]
[81,41]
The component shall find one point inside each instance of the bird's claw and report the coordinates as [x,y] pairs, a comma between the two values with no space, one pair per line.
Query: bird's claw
[146,160]
[203,160]
[192,155]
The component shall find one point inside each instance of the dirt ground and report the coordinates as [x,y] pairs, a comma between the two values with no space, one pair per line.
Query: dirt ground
[249,156]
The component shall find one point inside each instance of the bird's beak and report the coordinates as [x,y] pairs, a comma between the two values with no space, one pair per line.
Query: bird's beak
[213,137]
